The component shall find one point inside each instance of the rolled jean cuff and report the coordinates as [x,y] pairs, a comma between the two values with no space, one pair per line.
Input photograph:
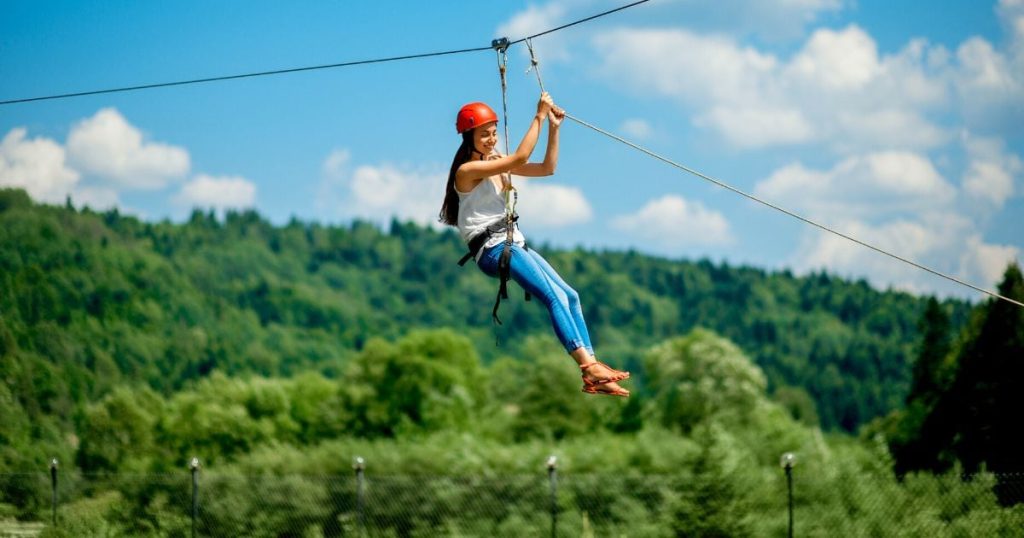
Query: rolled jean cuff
[573,345]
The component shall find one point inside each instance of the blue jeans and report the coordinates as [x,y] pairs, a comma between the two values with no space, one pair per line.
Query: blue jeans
[536,276]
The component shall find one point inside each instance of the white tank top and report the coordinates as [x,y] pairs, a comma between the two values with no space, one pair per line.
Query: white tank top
[480,208]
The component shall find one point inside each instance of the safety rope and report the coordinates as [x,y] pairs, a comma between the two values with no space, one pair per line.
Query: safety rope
[534,66]
[509,192]
[511,196]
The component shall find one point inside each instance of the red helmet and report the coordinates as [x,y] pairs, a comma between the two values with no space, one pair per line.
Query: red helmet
[474,115]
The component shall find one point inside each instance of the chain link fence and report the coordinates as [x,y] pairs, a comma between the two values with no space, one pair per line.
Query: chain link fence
[206,503]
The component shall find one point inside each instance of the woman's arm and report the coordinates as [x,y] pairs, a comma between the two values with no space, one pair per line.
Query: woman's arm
[473,171]
[550,163]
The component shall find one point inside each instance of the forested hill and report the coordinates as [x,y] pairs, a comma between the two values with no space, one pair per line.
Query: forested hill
[92,300]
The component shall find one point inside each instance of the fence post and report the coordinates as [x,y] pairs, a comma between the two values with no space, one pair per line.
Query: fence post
[194,465]
[359,464]
[553,479]
[53,484]
[788,461]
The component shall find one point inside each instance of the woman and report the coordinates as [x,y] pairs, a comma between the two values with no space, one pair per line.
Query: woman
[475,203]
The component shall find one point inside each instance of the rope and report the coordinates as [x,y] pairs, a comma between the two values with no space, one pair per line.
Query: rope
[781,209]
[534,66]
[502,63]
[511,196]
[299,69]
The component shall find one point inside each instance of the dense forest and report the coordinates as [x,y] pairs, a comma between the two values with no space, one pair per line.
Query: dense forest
[91,300]
[128,346]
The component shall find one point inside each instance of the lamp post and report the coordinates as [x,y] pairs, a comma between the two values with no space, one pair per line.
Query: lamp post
[194,466]
[787,462]
[53,483]
[553,479]
[359,464]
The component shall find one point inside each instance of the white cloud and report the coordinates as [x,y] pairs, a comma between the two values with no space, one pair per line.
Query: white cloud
[991,170]
[898,202]
[36,165]
[673,221]
[984,69]
[695,69]
[637,128]
[988,181]
[113,150]
[98,198]
[379,192]
[946,243]
[758,126]
[892,127]
[534,20]
[985,262]
[335,164]
[546,205]
[386,190]
[223,192]
[772,19]
[1011,13]
[768,20]
[876,185]
[836,90]
[844,60]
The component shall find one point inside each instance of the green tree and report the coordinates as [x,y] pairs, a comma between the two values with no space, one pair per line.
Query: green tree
[118,431]
[710,502]
[699,376]
[429,380]
[922,433]
[799,404]
[927,380]
[540,396]
[989,389]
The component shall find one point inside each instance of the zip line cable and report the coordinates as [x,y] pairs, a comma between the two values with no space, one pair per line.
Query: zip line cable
[244,75]
[301,69]
[592,17]
[534,67]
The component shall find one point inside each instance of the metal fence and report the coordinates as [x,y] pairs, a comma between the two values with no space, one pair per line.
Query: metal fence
[202,502]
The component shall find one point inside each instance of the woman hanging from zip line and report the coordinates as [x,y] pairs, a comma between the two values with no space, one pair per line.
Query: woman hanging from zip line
[478,201]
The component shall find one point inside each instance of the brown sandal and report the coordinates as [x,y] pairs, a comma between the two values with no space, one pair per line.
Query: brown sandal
[593,389]
[617,375]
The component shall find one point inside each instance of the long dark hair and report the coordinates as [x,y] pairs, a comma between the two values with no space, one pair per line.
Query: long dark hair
[450,208]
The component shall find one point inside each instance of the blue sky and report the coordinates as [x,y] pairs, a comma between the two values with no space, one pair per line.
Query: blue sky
[901,123]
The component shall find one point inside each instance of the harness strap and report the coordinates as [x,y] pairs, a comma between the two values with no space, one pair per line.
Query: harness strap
[504,261]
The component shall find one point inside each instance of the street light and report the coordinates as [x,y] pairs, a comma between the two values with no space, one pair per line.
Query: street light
[359,464]
[787,462]
[552,468]
[194,466]
[53,483]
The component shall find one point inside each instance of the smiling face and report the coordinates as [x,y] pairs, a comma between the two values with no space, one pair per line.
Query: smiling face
[485,137]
